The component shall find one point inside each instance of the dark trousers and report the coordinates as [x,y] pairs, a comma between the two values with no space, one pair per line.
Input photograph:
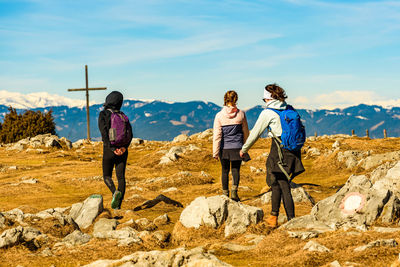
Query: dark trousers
[281,190]
[109,161]
[226,166]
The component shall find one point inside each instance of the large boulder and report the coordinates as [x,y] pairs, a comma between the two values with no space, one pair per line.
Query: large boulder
[370,202]
[214,211]
[176,257]
[358,204]
[85,213]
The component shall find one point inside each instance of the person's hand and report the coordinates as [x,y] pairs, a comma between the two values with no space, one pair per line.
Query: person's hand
[118,152]
[241,154]
[123,150]
[216,157]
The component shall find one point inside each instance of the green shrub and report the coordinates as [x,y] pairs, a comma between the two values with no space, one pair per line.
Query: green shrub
[27,124]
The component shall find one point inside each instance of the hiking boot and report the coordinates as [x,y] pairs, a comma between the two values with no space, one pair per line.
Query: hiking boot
[225,192]
[272,221]
[116,200]
[234,196]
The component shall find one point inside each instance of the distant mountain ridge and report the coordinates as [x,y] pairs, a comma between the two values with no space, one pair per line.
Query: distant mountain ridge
[160,120]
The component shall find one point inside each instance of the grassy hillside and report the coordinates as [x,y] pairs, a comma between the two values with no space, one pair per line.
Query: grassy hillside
[69,176]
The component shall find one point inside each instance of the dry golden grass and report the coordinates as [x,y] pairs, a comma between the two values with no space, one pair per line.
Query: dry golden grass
[70,176]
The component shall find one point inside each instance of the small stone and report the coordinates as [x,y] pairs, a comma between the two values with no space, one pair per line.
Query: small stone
[47,252]
[237,248]
[161,236]
[161,220]
[303,235]
[335,264]
[171,189]
[314,246]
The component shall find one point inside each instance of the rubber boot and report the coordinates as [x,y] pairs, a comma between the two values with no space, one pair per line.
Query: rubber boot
[234,195]
[225,192]
[272,221]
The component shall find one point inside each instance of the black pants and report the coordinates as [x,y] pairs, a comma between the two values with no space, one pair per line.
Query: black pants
[109,161]
[281,190]
[226,165]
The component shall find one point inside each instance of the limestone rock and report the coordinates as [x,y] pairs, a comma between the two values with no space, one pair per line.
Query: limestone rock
[351,158]
[161,220]
[314,152]
[176,257]
[136,141]
[386,229]
[329,210]
[2,220]
[214,211]
[211,211]
[76,238]
[335,264]
[181,138]
[237,248]
[206,134]
[15,215]
[240,217]
[30,233]
[336,144]
[161,236]
[391,211]
[172,155]
[306,222]
[314,246]
[378,159]
[14,236]
[103,226]
[381,171]
[11,237]
[88,212]
[377,243]
[303,235]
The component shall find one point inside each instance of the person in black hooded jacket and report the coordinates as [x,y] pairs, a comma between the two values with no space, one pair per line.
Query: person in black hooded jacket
[112,155]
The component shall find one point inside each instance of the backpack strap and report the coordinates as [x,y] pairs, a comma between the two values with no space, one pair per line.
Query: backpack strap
[278,143]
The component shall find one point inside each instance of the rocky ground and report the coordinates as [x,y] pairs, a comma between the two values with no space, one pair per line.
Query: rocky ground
[55,209]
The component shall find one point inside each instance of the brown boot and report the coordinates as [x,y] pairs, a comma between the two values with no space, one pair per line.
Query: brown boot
[272,221]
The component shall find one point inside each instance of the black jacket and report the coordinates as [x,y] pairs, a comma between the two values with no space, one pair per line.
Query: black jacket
[114,102]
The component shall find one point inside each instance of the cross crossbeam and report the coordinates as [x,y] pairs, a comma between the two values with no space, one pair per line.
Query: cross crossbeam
[87,89]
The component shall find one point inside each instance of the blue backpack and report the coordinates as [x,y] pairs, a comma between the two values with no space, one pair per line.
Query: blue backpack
[293,132]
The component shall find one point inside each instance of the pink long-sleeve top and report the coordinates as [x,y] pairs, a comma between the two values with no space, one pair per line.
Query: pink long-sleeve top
[230,129]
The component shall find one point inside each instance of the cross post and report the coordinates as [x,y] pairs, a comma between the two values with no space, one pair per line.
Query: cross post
[87,89]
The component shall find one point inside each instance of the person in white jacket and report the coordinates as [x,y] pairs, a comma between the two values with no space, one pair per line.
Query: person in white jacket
[274,97]
[230,133]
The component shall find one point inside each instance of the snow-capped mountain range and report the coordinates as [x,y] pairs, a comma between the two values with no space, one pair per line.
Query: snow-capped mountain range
[38,100]
[161,120]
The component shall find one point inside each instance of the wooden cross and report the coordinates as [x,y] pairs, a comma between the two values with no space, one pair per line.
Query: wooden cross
[87,89]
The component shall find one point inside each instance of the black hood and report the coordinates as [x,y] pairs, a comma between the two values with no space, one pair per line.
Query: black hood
[114,101]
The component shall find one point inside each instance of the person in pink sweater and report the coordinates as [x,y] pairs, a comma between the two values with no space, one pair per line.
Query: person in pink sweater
[230,133]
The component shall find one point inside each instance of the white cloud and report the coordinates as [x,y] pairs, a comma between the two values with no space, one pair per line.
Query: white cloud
[342,99]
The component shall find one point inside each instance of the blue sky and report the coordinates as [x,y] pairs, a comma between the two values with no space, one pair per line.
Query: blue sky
[324,53]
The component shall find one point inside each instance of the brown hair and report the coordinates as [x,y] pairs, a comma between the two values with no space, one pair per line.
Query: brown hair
[230,97]
[276,91]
